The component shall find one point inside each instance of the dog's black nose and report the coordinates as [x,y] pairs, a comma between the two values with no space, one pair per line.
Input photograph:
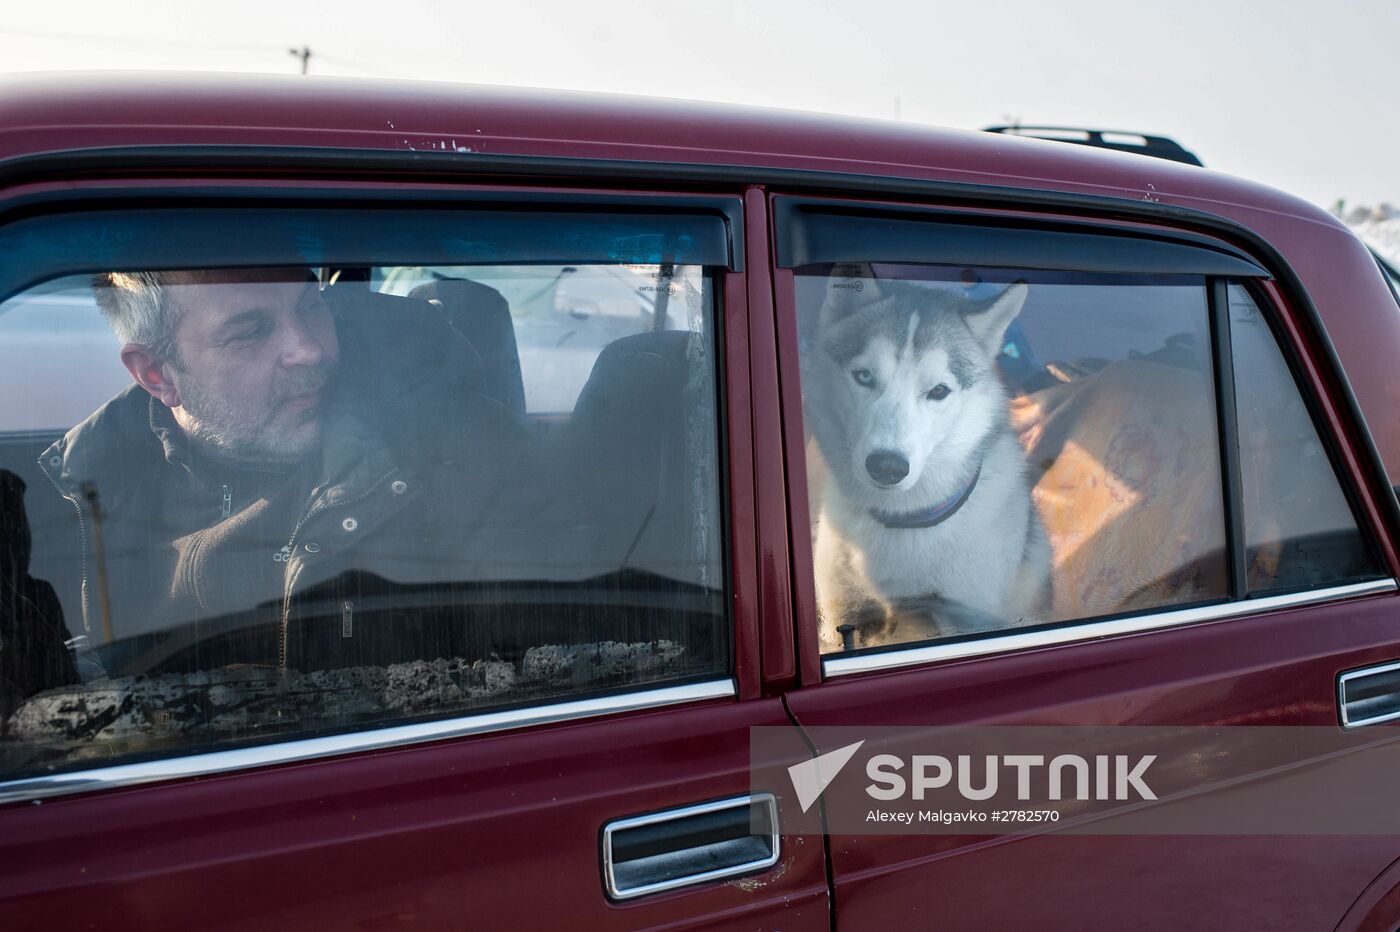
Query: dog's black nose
[886,467]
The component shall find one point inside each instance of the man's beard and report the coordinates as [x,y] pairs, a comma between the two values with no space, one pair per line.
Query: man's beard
[231,430]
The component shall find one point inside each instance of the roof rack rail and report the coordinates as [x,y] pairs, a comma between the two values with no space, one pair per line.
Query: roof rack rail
[1156,146]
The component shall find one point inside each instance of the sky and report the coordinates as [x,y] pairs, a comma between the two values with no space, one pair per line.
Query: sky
[1297,94]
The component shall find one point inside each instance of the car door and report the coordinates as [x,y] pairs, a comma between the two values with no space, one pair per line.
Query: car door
[1219,545]
[505,681]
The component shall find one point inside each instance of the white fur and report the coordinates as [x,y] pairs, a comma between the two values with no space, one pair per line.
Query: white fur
[988,565]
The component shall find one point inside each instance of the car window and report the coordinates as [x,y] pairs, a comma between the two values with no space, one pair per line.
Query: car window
[248,503]
[37,326]
[1392,275]
[1299,529]
[564,315]
[993,449]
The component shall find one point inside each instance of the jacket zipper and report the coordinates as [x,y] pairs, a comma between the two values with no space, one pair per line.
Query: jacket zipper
[285,554]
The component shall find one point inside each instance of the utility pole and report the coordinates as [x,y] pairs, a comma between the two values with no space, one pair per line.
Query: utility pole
[304,54]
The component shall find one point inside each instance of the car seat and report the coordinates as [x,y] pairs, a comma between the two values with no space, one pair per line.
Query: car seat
[643,435]
[480,313]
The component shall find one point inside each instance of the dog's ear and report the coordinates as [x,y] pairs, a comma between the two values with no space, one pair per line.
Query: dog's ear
[851,286]
[988,320]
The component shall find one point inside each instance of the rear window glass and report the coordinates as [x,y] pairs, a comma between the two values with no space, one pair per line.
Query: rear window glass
[1299,529]
[247,503]
[995,449]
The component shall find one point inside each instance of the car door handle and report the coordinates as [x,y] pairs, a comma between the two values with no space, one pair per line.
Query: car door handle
[1369,696]
[696,844]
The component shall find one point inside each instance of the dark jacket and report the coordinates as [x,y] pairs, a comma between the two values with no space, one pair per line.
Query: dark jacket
[421,484]
[33,651]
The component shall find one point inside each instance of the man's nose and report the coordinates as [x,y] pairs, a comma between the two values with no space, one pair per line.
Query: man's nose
[301,346]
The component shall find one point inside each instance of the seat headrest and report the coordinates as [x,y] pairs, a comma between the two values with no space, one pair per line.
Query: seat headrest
[482,315]
[638,372]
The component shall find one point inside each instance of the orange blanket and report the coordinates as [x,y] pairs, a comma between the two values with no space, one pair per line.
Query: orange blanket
[1127,481]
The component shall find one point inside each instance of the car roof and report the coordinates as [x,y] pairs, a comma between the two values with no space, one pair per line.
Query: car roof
[65,111]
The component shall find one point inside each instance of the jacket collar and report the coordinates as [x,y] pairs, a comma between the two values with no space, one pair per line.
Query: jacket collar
[105,448]
[100,448]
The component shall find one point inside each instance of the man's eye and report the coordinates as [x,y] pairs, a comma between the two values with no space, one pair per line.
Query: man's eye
[938,392]
[864,377]
[248,334]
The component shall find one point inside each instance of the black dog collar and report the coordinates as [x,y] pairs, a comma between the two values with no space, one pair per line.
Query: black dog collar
[933,515]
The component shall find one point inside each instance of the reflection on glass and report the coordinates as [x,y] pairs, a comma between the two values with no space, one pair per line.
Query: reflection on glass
[994,449]
[1299,529]
[330,498]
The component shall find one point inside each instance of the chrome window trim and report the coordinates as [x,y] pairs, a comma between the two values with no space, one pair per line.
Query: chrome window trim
[835,666]
[767,800]
[1347,677]
[305,749]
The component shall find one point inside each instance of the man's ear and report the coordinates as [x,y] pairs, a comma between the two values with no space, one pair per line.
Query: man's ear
[151,373]
[988,322]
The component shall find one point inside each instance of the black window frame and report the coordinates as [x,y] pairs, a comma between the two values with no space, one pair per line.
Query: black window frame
[56,224]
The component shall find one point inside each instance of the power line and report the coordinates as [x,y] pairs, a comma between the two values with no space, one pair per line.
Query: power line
[133,40]
[304,53]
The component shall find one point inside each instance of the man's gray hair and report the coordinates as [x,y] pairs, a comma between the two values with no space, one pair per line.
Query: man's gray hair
[138,308]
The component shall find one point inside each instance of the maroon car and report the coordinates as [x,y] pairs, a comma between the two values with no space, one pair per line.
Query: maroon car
[415,496]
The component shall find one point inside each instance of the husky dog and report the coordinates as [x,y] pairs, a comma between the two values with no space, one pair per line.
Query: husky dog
[926,526]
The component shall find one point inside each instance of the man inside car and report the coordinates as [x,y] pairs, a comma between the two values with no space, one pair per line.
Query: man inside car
[273,459]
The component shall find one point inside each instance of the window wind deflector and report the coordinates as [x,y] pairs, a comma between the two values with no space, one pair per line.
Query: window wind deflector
[811,232]
[39,248]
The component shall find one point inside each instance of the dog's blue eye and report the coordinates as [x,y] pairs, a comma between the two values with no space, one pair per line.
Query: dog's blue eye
[863,377]
[938,392]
